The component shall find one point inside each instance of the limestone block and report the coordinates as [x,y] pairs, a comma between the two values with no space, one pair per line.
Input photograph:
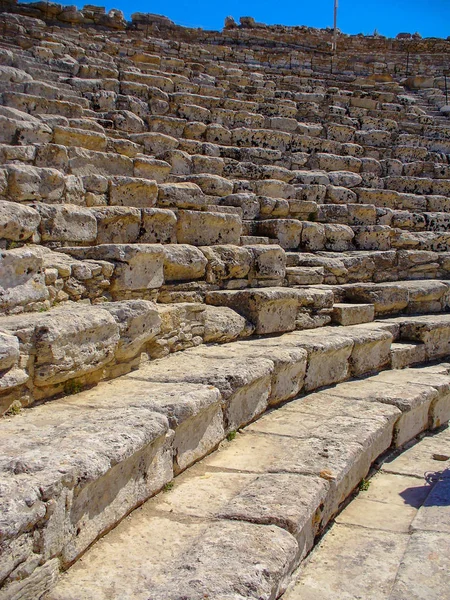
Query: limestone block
[269,262]
[217,134]
[362,214]
[338,237]
[412,400]
[345,179]
[66,223]
[123,449]
[155,143]
[22,279]
[266,138]
[375,137]
[274,207]
[437,203]
[192,112]
[312,177]
[17,223]
[248,202]
[333,162]
[23,132]
[125,120]
[208,228]
[183,262]
[213,185]
[74,192]
[371,350]
[52,155]
[158,226]
[137,266]
[352,314]
[237,564]
[379,197]
[407,354]
[328,356]
[273,188]
[340,195]
[181,161]
[181,195]
[333,213]
[9,351]
[14,75]
[138,321]
[222,324]
[132,191]
[386,297]
[313,236]
[72,136]
[227,262]
[432,330]
[117,224]
[34,183]
[283,123]
[340,133]
[195,129]
[67,342]
[147,167]
[88,162]
[372,237]
[243,381]
[305,275]
[271,310]
[169,125]
[286,231]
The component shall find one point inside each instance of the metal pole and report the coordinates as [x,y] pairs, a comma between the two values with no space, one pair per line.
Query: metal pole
[336,6]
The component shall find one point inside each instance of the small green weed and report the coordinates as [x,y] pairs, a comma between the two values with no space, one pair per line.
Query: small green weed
[231,436]
[168,487]
[364,485]
[13,410]
[72,387]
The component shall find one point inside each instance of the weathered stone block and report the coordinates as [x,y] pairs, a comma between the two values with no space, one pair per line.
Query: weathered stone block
[117,224]
[132,191]
[271,310]
[67,223]
[183,262]
[138,321]
[17,223]
[158,226]
[208,228]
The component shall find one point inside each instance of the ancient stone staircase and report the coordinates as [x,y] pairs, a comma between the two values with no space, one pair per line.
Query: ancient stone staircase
[197,238]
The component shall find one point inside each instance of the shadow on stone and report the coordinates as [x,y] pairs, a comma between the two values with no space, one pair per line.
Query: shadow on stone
[438,482]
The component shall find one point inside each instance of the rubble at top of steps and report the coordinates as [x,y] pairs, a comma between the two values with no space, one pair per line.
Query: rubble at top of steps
[200,232]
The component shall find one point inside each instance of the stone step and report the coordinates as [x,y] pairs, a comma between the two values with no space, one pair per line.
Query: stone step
[406,354]
[247,240]
[305,275]
[424,296]
[271,310]
[352,314]
[188,402]
[317,448]
[402,509]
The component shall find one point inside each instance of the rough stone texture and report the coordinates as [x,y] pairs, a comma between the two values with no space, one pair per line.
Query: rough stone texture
[270,311]
[168,190]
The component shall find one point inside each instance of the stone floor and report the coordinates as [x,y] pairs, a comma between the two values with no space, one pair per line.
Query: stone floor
[392,542]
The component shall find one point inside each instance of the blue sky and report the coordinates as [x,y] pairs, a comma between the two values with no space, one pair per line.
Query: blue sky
[431,18]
